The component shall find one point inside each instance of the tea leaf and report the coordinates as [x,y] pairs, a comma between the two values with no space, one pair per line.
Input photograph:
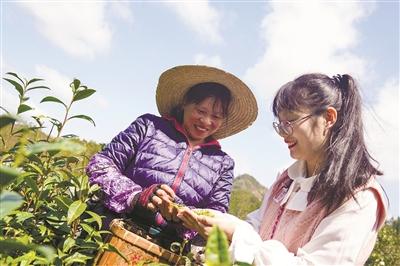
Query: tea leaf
[23,108]
[83,94]
[52,99]
[64,145]
[83,117]
[75,210]
[217,249]
[16,85]
[32,81]
[9,201]
[38,87]
[8,174]
[6,120]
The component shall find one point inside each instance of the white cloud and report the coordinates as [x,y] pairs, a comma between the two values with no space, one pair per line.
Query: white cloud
[382,129]
[57,82]
[79,28]
[202,59]
[201,17]
[307,37]
[122,10]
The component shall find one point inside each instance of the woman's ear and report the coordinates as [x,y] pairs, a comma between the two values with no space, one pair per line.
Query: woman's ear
[330,117]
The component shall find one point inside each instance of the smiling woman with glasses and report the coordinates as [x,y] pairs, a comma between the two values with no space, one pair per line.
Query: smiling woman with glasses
[327,207]
[286,127]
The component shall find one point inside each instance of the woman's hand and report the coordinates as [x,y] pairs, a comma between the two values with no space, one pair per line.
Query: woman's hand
[162,200]
[203,224]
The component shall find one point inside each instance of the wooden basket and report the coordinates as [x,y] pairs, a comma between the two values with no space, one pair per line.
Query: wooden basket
[135,248]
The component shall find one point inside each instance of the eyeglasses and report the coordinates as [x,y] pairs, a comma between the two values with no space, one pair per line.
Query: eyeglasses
[285,128]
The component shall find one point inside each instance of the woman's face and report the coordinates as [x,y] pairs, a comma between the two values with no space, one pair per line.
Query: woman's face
[307,141]
[202,120]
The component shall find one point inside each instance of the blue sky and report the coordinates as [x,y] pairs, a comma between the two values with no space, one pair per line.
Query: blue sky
[120,48]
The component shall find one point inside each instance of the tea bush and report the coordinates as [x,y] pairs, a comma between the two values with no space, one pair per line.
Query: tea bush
[44,215]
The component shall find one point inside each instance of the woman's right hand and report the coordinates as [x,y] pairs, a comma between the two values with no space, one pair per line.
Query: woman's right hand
[204,224]
[162,201]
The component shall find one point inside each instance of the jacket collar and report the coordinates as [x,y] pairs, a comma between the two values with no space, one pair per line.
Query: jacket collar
[210,141]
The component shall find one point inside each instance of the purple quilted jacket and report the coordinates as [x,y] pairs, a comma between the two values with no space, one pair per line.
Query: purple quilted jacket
[153,150]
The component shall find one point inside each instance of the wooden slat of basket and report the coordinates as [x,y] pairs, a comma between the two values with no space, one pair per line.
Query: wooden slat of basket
[129,243]
[117,228]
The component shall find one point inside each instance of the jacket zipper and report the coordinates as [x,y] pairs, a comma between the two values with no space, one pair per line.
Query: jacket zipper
[182,169]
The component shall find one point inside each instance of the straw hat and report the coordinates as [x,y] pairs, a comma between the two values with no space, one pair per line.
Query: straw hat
[175,82]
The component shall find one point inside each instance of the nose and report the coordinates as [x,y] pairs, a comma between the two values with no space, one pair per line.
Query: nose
[206,120]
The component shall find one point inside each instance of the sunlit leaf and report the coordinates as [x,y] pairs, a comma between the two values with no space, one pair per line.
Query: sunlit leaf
[9,201]
[79,95]
[63,145]
[23,108]
[95,218]
[83,117]
[68,244]
[77,258]
[75,210]
[52,99]
[217,249]
[8,174]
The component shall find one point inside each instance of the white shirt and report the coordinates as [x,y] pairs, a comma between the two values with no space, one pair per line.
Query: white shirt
[337,240]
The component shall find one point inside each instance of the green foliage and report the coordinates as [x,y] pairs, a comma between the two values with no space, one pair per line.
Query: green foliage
[217,249]
[44,215]
[387,247]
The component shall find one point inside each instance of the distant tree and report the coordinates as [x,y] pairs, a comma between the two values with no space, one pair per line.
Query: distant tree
[387,247]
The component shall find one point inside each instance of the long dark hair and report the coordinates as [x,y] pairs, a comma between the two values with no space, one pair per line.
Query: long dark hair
[347,164]
[197,93]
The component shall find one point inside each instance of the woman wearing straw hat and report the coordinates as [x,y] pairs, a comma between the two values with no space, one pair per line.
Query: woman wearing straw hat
[176,158]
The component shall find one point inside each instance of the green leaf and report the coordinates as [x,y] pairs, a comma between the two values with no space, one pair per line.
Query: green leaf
[48,252]
[32,184]
[68,244]
[9,201]
[15,75]
[63,145]
[217,249]
[75,84]
[22,216]
[10,245]
[52,99]
[38,87]
[32,81]
[83,117]
[23,108]
[75,210]
[95,218]
[79,95]
[16,85]
[7,174]
[77,258]
[7,119]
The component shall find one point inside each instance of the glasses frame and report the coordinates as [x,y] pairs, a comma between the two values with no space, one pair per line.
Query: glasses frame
[278,126]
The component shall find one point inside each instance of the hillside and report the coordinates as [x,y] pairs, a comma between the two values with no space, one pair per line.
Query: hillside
[247,195]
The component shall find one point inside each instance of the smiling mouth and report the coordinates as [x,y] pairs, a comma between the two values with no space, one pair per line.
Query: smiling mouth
[201,129]
[291,144]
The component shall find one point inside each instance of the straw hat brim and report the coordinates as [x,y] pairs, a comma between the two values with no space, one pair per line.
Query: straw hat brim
[175,82]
